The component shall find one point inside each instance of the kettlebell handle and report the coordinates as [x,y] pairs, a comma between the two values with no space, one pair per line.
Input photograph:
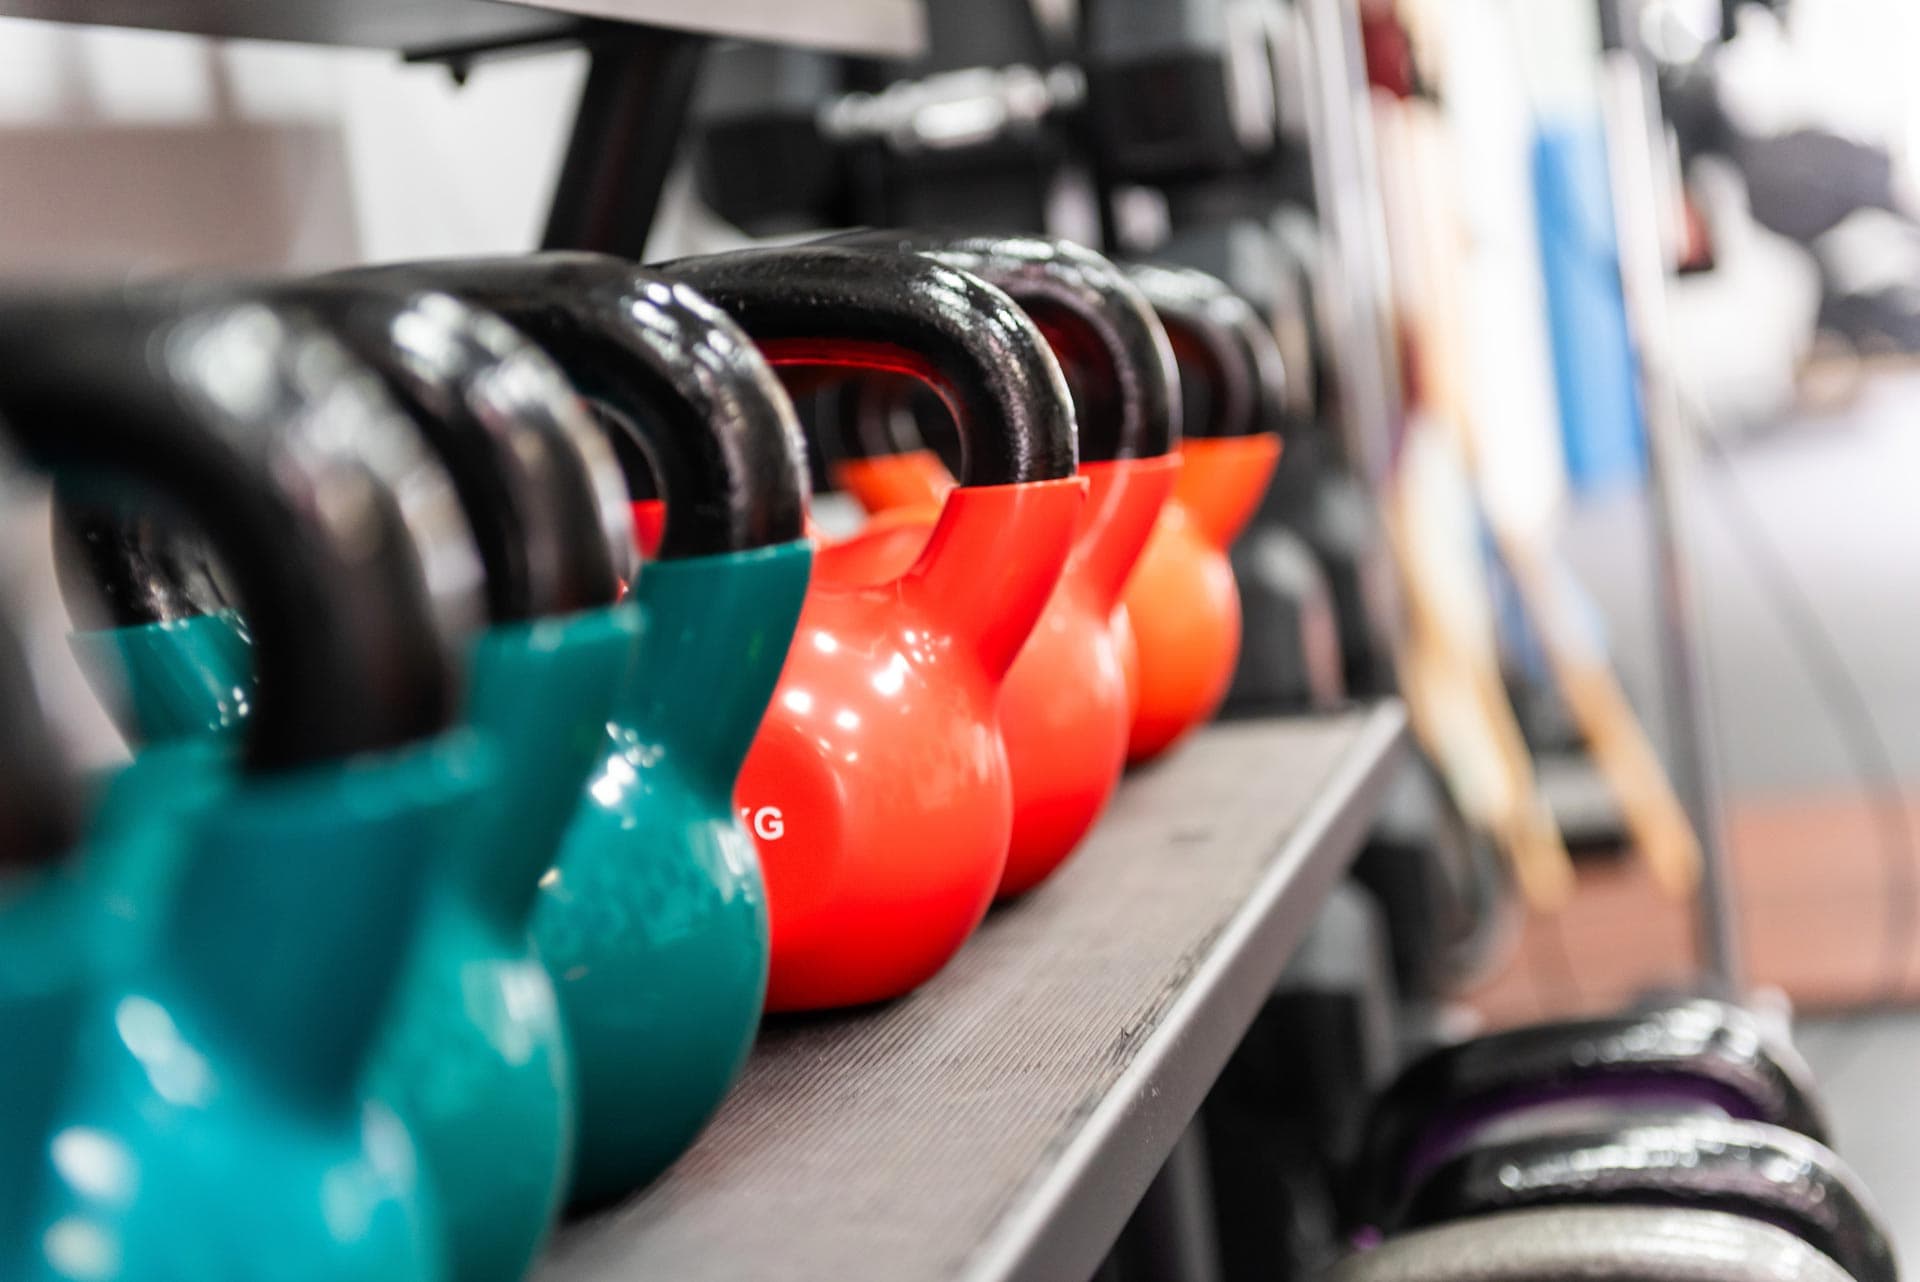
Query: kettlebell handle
[537,478]
[343,541]
[1113,350]
[537,481]
[1223,339]
[664,367]
[911,315]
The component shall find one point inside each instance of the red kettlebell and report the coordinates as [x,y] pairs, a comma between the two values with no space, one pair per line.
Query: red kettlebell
[1182,602]
[878,788]
[1067,710]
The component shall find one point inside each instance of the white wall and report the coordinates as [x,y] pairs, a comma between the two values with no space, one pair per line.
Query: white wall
[133,152]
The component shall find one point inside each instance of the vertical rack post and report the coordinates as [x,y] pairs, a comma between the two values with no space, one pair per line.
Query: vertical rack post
[1635,146]
[626,132]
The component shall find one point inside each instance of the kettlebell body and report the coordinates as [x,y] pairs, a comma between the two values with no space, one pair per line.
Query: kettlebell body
[475,1056]
[653,919]
[183,676]
[1066,711]
[1182,603]
[882,754]
[220,1076]
[43,973]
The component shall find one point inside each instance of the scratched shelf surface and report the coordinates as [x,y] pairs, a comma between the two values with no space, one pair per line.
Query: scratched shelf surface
[1001,1122]
[889,27]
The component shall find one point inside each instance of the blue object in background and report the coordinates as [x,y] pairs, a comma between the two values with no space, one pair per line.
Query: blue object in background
[1595,368]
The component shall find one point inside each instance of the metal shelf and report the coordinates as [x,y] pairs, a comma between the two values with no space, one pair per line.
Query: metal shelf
[894,28]
[1002,1122]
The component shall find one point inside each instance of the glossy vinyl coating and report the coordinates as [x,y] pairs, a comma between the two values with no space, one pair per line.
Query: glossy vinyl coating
[889,482]
[537,478]
[1589,1243]
[1763,1172]
[1110,345]
[654,917]
[42,965]
[186,676]
[663,364]
[218,1080]
[908,314]
[1182,604]
[881,756]
[1220,339]
[1437,1103]
[1070,684]
[475,1057]
[343,538]
[42,993]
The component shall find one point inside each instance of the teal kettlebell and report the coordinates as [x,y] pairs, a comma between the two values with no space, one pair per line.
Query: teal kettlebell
[653,919]
[474,1058]
[43,962]
[216,1127]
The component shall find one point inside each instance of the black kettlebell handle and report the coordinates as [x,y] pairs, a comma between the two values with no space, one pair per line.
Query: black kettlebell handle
[908,314]
[341,536]
[1220,337]
[538,479]
[540,486]
[39,790]
[662,364]
[1113,350]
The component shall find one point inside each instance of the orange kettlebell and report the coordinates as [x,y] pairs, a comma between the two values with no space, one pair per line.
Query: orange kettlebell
[1182,603]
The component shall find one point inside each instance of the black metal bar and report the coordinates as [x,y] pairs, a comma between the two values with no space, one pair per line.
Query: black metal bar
[1171,1235]
[632,114]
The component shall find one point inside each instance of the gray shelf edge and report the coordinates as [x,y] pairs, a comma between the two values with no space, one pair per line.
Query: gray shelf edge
[1101,1177]
[879,28]
[891,28]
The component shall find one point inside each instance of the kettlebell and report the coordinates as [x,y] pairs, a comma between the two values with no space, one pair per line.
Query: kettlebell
[215,1124]
[1182,602]
[1067,707]
[1698,1055]
[881,755]
[473,1057]
[1744,1168]
[653,918]
[43,961]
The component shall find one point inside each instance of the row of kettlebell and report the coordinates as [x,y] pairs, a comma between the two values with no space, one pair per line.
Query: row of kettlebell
[1676,1142]
[439,833]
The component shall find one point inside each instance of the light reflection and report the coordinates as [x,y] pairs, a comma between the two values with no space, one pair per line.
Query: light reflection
[95,1164]
[82,1250]
[892,679]
[176,1071]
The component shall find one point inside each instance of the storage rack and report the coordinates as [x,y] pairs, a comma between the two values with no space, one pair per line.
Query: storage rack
[1004,1121]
